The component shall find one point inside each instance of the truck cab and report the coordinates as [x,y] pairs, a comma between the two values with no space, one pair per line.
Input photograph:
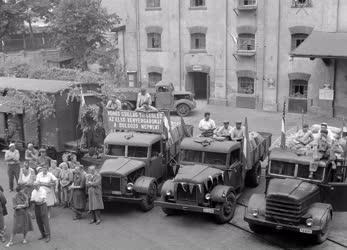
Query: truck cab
[301,195]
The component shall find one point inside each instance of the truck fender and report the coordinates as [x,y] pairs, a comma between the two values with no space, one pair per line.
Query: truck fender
[257,201]
[178,102]
[219,193]
[319,212]
[142,184]
[167,186]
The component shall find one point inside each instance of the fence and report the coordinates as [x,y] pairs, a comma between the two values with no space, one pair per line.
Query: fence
[27,43]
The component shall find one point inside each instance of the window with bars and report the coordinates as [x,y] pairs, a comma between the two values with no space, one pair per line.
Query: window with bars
[297,39]
[154,40]
[153,4]
[301,3]
[198,41]
[153,79]
[197,3]
[247,2]
[298,88]
[246,42]
[246,85]
[132,79]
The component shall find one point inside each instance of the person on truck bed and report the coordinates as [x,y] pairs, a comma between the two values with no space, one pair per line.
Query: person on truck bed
[207,126]
[323,146]
[304,136]
[225,130]
[114,104]
[146,108]
[142,98]
[238,132]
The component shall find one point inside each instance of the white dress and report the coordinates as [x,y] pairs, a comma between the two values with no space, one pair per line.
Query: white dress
[48,178]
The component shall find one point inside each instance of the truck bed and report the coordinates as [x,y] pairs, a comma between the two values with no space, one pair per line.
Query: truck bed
[259,150]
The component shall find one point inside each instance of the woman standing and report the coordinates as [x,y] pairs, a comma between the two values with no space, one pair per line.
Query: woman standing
[26,179]
[48,182]
[56,172]
[94,195]
[21,221]
[66,178]
[3,213]
[78,192]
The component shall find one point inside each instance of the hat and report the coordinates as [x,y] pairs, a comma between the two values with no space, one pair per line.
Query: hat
[305,126]
[226,122]
[42,150]
[11,145]
[238,122]
[324,124]
[344,129]
[324,131]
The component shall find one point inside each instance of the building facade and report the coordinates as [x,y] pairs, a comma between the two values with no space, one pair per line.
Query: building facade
[234,52]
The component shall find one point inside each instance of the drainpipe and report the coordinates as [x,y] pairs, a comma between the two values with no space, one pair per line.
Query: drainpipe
[264,51]
[138,33]
[278,51]
[179,43]
[226,50]
[335,60]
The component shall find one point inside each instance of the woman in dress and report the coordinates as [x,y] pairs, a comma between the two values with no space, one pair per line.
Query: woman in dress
[21,218]
[48,181]
[56,172]
[3,213]
[66,178]
[94,195]
[78,192]
[26,179]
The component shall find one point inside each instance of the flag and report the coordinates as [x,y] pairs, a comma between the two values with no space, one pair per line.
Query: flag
[234,37]
[184,127]
[246,146]
[82,106]
[283,129]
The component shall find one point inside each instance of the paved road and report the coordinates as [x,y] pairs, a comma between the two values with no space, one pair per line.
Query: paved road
[125,227]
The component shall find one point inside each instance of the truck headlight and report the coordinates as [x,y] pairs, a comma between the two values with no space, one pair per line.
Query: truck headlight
[309,222]
[168,193]
[208,196]
[255,212]
[130,186]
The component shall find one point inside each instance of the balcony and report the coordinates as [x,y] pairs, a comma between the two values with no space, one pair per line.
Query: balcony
[247,5]
[245,47]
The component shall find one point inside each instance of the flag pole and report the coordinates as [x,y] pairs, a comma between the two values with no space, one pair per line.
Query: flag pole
[283,128]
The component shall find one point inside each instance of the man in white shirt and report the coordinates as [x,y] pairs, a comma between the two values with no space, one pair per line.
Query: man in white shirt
[12,159]
[143,97]
[225,130]
[39,198]
[238,132]
[207,126]
[114,104]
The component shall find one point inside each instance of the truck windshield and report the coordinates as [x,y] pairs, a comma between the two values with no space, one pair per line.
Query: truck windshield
[304,172]
[140,152]
[282,168]
[116,150]
[192,156]
[215,158]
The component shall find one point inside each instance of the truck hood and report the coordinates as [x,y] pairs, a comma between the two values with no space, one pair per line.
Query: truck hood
[294,189]
[197,174]
[179,92]
[120,166]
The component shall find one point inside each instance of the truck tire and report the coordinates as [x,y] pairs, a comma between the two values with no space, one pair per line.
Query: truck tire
[256,228]
[226,209]
[148,199]
[168,211]
[253,176]
[183,109]
[323,235]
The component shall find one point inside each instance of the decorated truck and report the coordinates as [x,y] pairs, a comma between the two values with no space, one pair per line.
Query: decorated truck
[213,174]
[301,194]
[141,149]
[164,97]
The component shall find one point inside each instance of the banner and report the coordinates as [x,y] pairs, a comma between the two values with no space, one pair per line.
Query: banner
[124,120]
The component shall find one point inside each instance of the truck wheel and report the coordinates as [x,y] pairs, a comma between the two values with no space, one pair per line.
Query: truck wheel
[226,209]
[253,176]
[256,228]
[323,235]
[148,199]
[183,109]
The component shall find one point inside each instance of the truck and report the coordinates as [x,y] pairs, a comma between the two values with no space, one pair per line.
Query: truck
[140,151]
[301,195]
[212,175]
[164,97]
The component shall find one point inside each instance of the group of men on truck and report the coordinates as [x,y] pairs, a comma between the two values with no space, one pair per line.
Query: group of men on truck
[208,128]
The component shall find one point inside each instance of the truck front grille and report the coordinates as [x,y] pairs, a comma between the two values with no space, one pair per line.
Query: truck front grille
[111,183]
[186,194]
[283,209]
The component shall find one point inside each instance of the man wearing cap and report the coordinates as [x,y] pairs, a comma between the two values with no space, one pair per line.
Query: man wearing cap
[143,97]
[12,160]
[323,146]
[207,125]
[225,130]
[304,136]
[238,132]
[39,199]
[114,104]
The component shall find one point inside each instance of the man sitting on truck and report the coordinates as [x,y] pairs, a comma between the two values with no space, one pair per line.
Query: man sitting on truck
[238,132]
[114,104]
[142,98]
[304,136]
[224,131]
[207,126]
[146,108]
[323,146]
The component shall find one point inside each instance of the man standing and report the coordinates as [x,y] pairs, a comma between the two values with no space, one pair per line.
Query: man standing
[39,198]
[207,126]
[94,195]
[31,155]
[225,130]
[143,97]
[114,104]
[238,132]
[12,159]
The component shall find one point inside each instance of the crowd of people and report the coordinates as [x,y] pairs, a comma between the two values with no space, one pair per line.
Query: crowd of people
[43,184]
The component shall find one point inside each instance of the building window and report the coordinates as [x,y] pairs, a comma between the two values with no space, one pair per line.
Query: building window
[132,79]
[298,88]
[245,85]
[197,3]
[243,3]
[246,42]
[198,41]
[301,3]
[154,40]
[153,4]
[297,39]
[153,79]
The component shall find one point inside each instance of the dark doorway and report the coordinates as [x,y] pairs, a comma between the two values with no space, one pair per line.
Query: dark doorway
[200,85]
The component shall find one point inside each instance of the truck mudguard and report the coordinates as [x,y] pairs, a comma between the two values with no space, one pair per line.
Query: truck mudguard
[257,201]
[142,184]
[318,212]
[167,186]
[189,103]
[219,193]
